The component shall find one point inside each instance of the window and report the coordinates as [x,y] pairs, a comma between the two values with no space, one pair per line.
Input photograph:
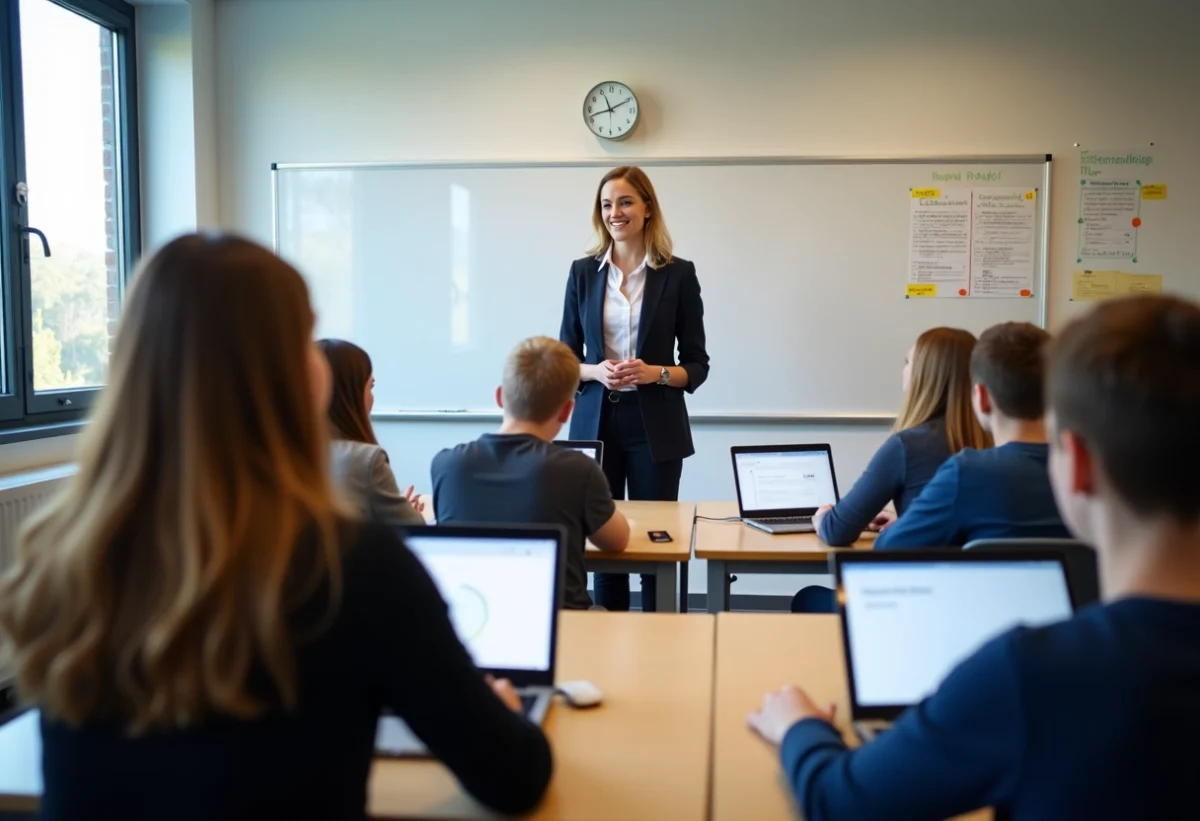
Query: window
[69,203]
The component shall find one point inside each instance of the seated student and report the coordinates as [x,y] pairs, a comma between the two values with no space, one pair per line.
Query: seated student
[361,471]
[1002,492]
[935,422]
[205,634]
[1091,717]
[520,476]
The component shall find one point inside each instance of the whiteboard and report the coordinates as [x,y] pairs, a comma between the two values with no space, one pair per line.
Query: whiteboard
[438,270]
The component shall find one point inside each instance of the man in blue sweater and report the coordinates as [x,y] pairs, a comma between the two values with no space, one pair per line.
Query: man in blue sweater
[1002,492]
[1094,717]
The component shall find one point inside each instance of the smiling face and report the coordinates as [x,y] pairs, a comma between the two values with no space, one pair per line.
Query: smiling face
[624,212]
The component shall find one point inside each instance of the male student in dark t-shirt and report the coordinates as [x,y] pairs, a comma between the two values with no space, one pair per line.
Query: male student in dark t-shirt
[519,476]
[1094,717]
[1004,491]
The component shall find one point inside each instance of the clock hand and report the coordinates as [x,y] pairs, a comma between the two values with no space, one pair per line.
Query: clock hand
[618,105]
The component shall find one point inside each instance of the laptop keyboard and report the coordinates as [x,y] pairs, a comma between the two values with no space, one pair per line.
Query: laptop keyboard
[786,520]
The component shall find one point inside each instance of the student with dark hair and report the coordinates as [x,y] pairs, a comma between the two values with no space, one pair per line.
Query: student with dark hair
[1001,492]
[205,634]
[1091,717]
[361,470]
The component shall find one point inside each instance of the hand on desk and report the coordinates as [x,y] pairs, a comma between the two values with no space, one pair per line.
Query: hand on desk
[822,511]
[503,689]
[781,710]
[883,521]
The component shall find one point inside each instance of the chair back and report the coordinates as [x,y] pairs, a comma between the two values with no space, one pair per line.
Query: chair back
[1083,571]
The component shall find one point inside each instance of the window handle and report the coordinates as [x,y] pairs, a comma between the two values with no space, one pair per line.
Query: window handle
[25,229]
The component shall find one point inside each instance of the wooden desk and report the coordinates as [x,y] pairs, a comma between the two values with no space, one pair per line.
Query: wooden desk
[643,754]
[732,547]
[756,653]
[664,560]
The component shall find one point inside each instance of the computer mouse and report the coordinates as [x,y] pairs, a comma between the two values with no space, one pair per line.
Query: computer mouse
[580,693]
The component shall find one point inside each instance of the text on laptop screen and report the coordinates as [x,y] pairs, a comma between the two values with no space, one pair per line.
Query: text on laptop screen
[584,450]
[501,595]
[910,623]
[785,480]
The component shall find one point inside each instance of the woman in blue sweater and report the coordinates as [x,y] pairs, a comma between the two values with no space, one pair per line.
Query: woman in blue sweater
[935,422]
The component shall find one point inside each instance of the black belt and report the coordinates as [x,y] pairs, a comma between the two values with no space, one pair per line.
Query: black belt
[621,396]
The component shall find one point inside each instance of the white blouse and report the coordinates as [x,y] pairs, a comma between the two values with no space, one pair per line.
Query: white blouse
[622,309]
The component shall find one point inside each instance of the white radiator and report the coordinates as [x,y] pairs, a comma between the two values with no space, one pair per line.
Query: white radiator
[20,495]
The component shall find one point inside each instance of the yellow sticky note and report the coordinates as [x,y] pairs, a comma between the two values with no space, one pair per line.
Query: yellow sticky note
[1091,285]
[1129,284]
[921,289]
[1154,192]
[1031,195]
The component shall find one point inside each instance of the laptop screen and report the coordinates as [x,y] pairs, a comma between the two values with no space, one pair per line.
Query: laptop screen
[501,594]
[909,623]
[784,480]
[585,449]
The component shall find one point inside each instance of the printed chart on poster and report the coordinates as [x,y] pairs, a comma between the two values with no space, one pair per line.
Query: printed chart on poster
[1118,193]
[972,242]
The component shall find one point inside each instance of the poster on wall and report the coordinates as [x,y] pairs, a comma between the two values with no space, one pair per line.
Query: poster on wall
[972,242]
[1112,188]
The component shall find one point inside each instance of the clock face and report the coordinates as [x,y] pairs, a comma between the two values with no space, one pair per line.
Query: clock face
[610,111]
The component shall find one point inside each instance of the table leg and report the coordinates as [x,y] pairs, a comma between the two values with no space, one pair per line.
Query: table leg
[718,587]
[667,574]
[683,587]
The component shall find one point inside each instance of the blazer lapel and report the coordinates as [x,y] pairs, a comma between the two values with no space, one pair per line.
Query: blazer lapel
[594,320]
[656,281]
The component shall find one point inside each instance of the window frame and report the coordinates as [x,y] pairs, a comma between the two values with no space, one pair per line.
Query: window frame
[25,413]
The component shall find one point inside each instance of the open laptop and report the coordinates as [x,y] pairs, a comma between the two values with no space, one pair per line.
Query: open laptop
[908,618]
[504,588]
[780,487]
[593,448]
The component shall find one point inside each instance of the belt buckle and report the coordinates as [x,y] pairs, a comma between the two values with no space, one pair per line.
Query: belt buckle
[613,397]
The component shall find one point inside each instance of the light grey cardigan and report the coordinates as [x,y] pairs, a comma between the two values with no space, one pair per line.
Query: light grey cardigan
[363,476]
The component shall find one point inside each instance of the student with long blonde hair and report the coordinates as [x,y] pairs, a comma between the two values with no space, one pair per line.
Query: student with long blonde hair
[204,631]
[935,422]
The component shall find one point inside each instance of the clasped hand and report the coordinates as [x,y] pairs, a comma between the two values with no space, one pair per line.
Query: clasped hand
[627,373]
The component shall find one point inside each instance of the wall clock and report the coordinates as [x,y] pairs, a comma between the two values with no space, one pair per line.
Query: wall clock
[610,111]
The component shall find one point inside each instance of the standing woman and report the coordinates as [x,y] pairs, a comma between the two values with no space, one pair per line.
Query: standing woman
[627,304]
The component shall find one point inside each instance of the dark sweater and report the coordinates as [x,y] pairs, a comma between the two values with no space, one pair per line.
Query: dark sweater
[1086,719]
[898,473]
[998,493]
[391,645]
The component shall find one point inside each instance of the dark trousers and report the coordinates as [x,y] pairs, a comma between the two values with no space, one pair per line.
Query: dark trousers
[632,474]
[814,599]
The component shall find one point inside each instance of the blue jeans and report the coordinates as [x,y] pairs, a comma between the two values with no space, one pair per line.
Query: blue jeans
[630,467]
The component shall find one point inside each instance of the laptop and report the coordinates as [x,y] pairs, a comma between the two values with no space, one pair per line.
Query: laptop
[780,487]
[908,618]
[592,448]
[504,588]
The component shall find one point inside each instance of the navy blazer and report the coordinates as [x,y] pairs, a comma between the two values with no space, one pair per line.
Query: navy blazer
[671,310]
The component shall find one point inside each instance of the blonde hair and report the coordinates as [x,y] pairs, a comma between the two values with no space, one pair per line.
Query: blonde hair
[659,245]
[165,572]
[940,386]
[540,376]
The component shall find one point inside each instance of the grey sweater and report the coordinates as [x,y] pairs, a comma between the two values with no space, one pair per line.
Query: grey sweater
[363,476]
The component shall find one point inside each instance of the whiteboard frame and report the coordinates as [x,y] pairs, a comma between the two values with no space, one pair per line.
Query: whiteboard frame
[721,418]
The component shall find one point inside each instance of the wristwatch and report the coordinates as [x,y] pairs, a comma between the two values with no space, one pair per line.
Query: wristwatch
[664,376]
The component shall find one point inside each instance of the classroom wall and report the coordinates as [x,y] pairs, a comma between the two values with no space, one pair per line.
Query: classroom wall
[353,80]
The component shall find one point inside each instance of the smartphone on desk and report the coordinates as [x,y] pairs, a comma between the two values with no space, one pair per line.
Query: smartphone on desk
[659,536]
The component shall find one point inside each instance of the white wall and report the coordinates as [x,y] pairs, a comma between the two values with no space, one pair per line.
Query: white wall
[347,80]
